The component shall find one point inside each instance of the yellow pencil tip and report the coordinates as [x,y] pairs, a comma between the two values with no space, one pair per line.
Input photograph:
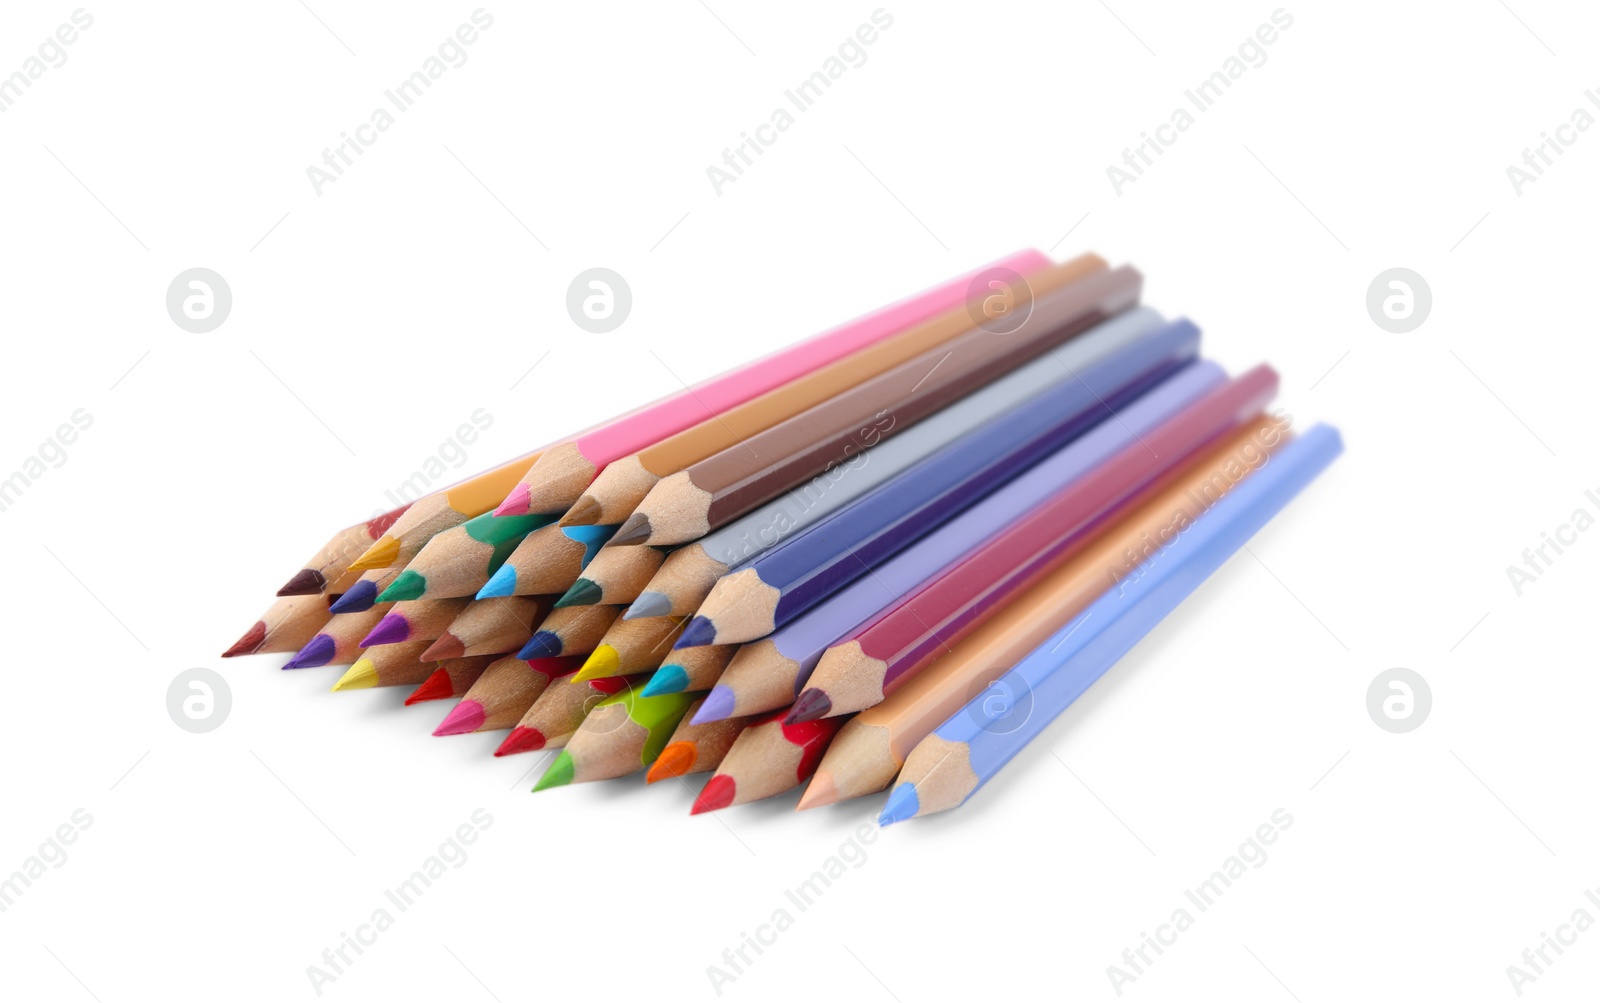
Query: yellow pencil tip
[380,555]
[362,675]
[602,663]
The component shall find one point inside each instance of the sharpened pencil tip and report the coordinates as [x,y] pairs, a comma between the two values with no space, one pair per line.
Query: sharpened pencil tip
[635,530]
[717,793]
[463,717]
[603,662]
[701,631]
[648,604]
[667,679]
[392,629]
[559,774]
[543,644]
[318,651]
[447,646]
[516,503]
[809,706]
[501,583]
[821,791]
[306,582]
[584,512]
[675,760]
[521,740]
[583,593]
[406,585]
[435,687]
[362,675]
[381,554]
[902,805]
[251,640]
[362,596]
[718,706]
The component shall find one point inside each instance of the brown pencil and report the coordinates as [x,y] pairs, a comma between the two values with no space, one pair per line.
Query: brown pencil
[491,627]
[625,482]
[694,501]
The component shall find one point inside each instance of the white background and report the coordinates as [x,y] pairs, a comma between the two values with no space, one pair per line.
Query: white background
[369,321]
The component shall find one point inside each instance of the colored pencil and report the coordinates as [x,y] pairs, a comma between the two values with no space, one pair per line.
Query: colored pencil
[460,560]
[1101,372]
[615,577]
[622,735]
[771,672]
[491,627]
[503,693]
[622,485]
[363,594]
[338,642]
[560,475]
[434,513]
[287,625]
[556,714]
[388,665]
[916,626]
[717,490]
[574,630]
[333,561]
[631,647]
[689,572]
[453,678]
[547,561]
[414,620]
[690,670]
[695,748]
[768,758]
[869,750]
[966,751]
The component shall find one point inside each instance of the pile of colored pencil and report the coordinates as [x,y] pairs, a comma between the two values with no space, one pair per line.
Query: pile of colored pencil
[884,558]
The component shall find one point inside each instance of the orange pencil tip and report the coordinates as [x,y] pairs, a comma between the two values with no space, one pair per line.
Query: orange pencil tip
[675,760]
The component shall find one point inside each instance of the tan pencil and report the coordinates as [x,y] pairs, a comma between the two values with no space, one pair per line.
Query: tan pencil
[556,714]
[615,577]
[286,625]
[491,627]
[631,647]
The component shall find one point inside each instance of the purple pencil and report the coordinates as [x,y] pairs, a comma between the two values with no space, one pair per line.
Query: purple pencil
[1099,373]
[766,674]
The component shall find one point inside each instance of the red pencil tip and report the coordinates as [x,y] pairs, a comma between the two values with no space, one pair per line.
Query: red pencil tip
[448,646]
[435,687]
[521,740]
[306,582]
[717,793]
[249,642]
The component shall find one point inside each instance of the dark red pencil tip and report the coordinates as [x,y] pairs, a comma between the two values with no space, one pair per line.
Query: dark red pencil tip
[251,640]
[809,706]
[717,793]
[435,687]
[521,740]
[448,646]
[306,582]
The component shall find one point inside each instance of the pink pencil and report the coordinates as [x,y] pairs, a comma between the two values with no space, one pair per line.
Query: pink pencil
[561,473]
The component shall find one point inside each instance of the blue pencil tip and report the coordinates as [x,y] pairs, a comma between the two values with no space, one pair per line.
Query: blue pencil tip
[668,679]
[503,583]
[358,600]
[700,631]
[648,604]
[902,805]
[541,645]
[718,706]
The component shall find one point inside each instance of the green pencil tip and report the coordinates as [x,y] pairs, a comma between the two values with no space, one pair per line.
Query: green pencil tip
[583,593]
[558,775]
[407,585]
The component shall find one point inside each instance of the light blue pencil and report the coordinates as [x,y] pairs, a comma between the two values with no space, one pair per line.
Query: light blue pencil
[945,768]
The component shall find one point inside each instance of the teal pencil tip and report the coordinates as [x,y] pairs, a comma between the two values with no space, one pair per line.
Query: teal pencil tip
[407,585]
[582,593]
[502,583]
[902,805]
[668,679]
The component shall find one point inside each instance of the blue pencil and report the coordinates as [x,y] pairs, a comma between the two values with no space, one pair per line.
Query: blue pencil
[1100,373]
[945,768]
